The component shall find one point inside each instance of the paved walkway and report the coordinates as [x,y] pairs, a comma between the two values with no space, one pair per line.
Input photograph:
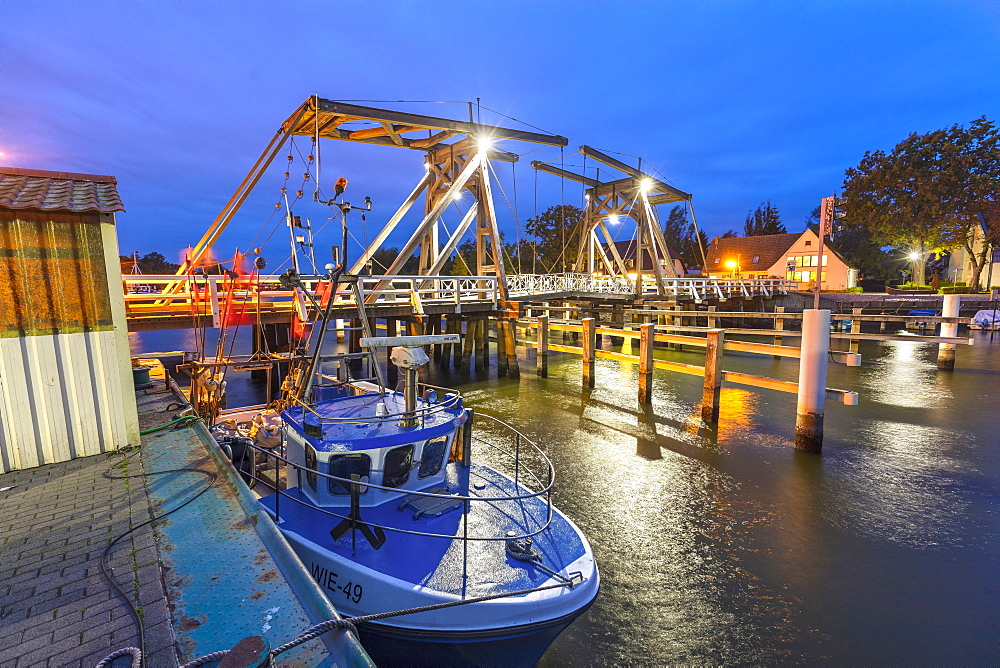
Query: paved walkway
[56,608]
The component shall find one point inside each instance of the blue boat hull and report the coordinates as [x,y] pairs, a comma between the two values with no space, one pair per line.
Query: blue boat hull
[514,646]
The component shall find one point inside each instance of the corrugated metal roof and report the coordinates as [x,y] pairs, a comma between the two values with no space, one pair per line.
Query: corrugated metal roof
[58,191]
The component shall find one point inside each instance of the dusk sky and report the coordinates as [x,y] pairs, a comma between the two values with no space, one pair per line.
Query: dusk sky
[735,102]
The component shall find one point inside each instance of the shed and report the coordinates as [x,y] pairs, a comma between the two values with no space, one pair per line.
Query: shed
[66,386]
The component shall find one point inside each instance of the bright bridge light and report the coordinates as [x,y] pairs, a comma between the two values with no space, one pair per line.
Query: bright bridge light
[484,144]
[646,185]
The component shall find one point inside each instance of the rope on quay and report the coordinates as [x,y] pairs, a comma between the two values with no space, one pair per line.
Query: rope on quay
[330,624]
[117,654]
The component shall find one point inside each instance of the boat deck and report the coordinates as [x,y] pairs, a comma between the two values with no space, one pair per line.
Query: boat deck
[437,563]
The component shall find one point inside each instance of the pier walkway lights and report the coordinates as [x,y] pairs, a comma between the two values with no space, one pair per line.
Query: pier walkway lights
[645,185]
[614,219]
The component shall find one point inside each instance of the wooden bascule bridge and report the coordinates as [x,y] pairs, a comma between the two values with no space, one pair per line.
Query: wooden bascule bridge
[457,157]
[604,295]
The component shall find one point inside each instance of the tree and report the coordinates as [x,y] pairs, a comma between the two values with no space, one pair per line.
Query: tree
[763,220]
[681,237]
[556,234]
[926,194]
[156,263]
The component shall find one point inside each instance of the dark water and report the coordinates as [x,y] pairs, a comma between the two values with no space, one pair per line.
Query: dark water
[729,547]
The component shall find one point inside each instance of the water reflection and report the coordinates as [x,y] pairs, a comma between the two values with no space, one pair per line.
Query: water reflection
[726,546]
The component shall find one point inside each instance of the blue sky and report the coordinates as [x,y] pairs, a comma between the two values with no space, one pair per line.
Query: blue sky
[735,102]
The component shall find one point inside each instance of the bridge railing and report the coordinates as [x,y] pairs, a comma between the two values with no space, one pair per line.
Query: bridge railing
[694,288]
[148,295]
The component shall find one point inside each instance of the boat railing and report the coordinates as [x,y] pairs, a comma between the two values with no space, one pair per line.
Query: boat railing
[451,399]
[544,480]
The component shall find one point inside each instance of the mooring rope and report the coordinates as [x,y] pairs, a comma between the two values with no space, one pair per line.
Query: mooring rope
[350,623]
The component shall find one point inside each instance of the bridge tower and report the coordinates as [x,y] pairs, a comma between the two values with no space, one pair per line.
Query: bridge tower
[633,196]
[457,155]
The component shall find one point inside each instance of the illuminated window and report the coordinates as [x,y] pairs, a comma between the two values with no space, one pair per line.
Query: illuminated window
[755,260]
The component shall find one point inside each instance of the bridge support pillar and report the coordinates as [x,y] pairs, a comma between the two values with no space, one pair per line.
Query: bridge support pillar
[483,344]
[510,343]
[467,344]
[502,358]
[542,360]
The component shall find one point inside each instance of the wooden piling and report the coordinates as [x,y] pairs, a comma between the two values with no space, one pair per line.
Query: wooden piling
[483,344]
[589,346]
[646,333]
[855,329]
[467,344]
[510,338]
[946,351]
[815,349]
[542,360]
[501,348]
[779,324]
[711,318]
[712,389]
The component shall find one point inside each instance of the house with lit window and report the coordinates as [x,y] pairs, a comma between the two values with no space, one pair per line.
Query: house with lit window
[793,257]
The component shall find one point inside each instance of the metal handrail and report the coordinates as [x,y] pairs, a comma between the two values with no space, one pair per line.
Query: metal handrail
[545,492]
[451,399]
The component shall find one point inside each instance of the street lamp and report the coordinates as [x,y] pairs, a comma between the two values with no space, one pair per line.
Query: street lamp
[734,267]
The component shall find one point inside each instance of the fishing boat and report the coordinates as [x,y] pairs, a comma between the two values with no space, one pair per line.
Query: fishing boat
[407,503]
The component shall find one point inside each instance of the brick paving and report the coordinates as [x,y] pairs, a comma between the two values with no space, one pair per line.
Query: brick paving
[56,608]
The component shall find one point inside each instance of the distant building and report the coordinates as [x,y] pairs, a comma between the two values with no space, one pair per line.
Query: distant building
[627,252]
[790,256]
[960,264]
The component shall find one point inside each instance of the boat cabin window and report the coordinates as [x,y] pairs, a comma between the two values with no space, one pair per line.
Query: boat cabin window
[345,466]
[311,466]
[432,457]
[398,463]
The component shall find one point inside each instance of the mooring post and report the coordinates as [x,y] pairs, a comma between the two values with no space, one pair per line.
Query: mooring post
[542,359]
[678,320]
[646,333]
[812,379]
[779,325]
[712,389]
[711,318]
[946,351]
[855,329]
[589,346]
